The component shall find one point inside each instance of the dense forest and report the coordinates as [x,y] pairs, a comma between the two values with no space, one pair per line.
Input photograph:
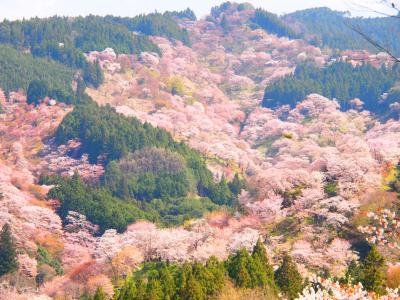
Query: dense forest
[148,175]
[325,27]
[272,24]
[65,40]
[18,70]
[184,14]
[339,80]
[244,270]
[252,271]
[155,24]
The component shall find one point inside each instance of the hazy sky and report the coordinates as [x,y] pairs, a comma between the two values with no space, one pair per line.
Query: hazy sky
[17,9]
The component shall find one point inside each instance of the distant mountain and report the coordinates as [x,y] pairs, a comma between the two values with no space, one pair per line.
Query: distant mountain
[325,27]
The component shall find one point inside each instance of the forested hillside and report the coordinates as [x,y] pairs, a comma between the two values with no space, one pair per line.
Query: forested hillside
[328,28]
[19,69]
[227,157]
[339,81]
[272,24]
[148,174]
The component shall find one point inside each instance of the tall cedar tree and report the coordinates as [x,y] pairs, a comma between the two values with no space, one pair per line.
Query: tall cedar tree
[37,90]
[288,278]
[100,295]
[8,262]
[372,271]
[260,256]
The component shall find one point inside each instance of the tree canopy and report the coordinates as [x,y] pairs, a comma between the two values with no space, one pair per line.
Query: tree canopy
[339,80]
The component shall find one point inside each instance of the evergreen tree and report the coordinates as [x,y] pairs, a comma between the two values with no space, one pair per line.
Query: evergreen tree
[128,290]
[288,278]
[167,280]
[37,90]
[225,24]
[372,271]
[154,290]
[238,268]
[100,295]
[217,270]
[8,262]
[236,185]
[193,290]
[261,260]
[99,74]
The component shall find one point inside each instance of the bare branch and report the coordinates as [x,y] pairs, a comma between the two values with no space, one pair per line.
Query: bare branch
[373,42]
[389,4]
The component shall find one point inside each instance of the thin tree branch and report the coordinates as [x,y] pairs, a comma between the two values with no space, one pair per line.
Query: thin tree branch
[373,42]
[384,2]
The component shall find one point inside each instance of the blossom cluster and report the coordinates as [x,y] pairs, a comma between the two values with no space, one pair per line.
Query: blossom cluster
[327,289]
[384,228]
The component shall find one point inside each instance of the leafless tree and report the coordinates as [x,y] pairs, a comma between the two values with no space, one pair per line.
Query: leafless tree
[386,8]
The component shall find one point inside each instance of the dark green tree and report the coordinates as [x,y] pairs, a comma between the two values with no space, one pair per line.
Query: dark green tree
[261,259]
[154,290]
[193,290]
[37,90]
[100,295]
[238,266]
[236,185]
[8,261]
[225,24]
[128,290]
[372,271]
[288,278]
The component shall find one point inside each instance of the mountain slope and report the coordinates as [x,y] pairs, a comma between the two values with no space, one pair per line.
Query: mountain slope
[328,28]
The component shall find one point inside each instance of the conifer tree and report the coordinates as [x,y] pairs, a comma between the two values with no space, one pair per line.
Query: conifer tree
[288,278]
[154,290]
[168,284]
[8,261]
[100,295]
[128,291]
[238,268]
[372,273]
[193,289]
[37,90]
[265,271]
[260,253]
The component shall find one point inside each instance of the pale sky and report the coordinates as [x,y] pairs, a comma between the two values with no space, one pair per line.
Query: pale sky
[18,9]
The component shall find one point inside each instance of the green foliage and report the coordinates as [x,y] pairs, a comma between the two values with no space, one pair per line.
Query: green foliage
[262,262]
[92,74]
[159,280]
[66,55]
[18,70]
[105,133]
[85,33]
[150,173]
[331,188]
[153,24]
[224,23]
[272,24]
[184,14]
[339,80]
[325,27]
[370,272]
[288,278]
[251,271]
[216,11]
[109,211]
[37,90]
[8,261]
[100,295]
[237,185]
[44,257]
[98,205]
